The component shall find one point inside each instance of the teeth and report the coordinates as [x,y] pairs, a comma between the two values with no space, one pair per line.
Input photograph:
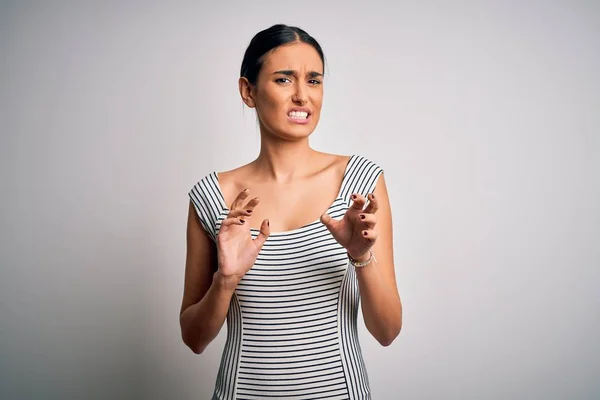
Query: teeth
[298,114]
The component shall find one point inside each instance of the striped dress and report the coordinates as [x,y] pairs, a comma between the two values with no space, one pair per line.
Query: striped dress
[291,325]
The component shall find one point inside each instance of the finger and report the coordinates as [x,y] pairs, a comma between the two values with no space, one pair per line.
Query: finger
[370,235]
[240,212]
[265,231]
[330,223]
[369,220]
[232,221]
[237,203]
[373,205]
[358,201]
[251,204]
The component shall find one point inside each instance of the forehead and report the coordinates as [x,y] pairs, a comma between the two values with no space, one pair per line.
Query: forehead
[296,56]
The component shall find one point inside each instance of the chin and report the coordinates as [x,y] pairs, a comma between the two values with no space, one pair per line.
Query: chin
[300,132]
[287,132]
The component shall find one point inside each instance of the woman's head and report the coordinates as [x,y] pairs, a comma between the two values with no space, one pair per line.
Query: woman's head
[269,39]
[281,76]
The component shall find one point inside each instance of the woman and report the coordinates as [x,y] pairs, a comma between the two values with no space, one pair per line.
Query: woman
[290,290]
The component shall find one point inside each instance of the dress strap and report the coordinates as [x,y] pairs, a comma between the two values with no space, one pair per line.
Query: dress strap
[207,200]
[361,177]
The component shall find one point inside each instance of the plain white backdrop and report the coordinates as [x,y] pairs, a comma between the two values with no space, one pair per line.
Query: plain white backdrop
[483,114]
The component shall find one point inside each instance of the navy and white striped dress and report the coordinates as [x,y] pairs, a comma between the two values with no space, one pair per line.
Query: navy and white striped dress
[291,325]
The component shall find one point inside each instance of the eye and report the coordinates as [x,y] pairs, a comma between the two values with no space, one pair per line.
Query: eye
[282,80]
[314,82]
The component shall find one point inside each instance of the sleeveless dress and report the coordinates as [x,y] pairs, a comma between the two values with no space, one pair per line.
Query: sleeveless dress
[291,324]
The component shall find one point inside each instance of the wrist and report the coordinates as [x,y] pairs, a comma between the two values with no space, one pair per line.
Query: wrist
[225,282]
[360,257]
[361,261]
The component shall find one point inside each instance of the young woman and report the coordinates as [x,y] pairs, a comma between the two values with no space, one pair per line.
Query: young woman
[284,247]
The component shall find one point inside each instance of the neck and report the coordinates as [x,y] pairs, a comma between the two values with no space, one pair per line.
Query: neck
[284,160]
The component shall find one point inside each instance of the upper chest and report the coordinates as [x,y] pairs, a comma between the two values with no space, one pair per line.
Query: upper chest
[290,206]
[287,206]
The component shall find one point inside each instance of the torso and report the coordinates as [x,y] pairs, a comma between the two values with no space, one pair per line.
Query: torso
[291,205]
[292,320]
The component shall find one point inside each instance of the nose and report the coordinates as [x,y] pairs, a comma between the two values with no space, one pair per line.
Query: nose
[300,95]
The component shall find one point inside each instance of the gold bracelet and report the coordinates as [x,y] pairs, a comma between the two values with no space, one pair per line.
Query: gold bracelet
[360,264]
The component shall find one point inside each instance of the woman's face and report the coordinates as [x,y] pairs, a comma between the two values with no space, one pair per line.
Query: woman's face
[289,91]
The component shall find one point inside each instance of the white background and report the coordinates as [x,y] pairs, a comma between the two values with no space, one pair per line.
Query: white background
[484,115]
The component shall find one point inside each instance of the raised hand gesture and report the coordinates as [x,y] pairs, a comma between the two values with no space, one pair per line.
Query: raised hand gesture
[356,230]
[237,251]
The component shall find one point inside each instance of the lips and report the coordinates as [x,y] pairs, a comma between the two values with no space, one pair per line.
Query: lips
[299,110]
[299,115]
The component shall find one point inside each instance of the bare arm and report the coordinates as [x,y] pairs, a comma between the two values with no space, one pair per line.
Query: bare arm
[213,271]
[381,305]
[206,294]
[359,231]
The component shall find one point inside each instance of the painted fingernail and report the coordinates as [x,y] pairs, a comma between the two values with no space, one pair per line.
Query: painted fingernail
[362,216]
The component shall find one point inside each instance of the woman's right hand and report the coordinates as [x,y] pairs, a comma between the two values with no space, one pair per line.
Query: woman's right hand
[237,251]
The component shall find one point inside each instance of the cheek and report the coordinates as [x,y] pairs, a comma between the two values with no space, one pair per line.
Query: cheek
[270,102]
[317,97]
[269,109]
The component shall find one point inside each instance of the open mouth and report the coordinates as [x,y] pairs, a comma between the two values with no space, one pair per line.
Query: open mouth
[298,115]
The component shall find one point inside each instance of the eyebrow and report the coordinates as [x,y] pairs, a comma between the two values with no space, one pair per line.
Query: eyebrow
[289,72]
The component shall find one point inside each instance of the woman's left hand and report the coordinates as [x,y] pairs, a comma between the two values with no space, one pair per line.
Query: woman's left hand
[356,230]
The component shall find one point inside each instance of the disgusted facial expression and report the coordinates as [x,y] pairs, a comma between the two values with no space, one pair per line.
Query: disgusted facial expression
[289,91]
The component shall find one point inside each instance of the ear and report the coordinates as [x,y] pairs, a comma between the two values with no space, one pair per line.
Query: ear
[246,92]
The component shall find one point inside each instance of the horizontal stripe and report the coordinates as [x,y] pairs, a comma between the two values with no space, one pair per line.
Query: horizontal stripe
[291,324]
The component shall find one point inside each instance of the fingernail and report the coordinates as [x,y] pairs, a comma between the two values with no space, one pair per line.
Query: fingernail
[362,216]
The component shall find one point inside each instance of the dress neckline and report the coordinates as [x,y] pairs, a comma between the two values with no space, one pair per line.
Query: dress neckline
[254,231]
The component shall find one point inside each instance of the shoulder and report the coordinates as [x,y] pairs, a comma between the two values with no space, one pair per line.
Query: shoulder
[231,182]
[336,162]
[360,164]
[357,170]
[206,192]
[207,201]
[207,180]
[362,174]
